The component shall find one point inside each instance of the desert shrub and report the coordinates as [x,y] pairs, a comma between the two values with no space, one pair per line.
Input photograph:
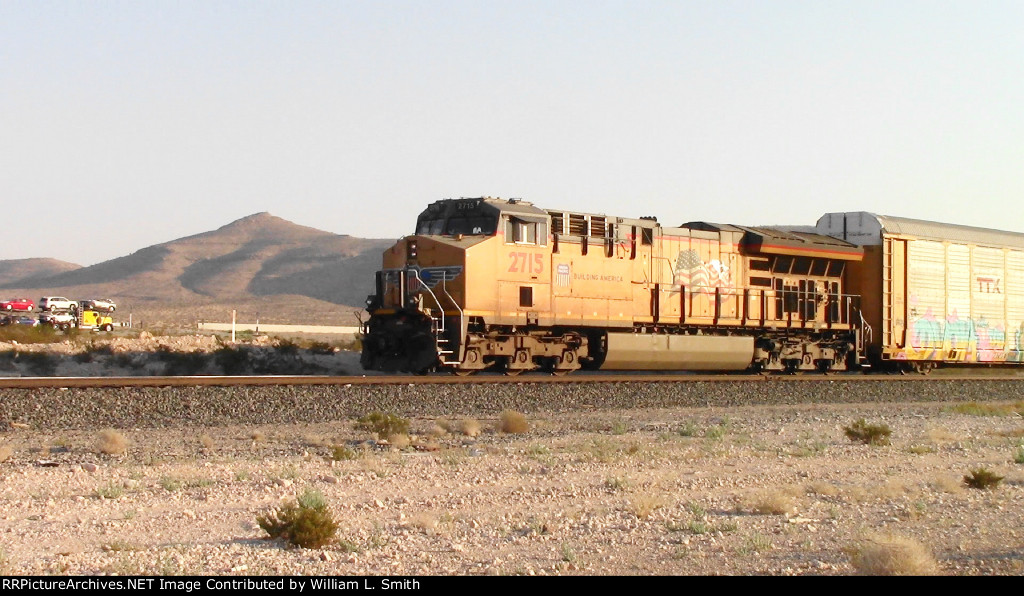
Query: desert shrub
[321,347]
[892,555]
[287,347]
[110,490]
[111,442]
[233,361]
[100,349]
[1018,457]
[343,452]
[982,478]
[688,429]
[40,364]
[383,424]
[39,334]
[869,434]
[306,522]
[616,483]
[181,363]
[513,422]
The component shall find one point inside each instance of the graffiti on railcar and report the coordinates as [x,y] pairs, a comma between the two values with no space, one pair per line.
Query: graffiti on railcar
[957,338]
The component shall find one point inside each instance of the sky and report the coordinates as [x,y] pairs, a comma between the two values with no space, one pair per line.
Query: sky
[128,124]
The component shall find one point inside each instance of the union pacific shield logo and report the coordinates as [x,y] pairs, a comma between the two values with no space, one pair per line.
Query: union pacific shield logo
[562,274]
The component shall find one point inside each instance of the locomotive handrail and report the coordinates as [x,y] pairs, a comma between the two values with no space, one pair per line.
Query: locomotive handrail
[444,287]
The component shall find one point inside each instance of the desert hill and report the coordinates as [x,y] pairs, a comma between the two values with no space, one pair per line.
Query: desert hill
[14,271]
[260,265]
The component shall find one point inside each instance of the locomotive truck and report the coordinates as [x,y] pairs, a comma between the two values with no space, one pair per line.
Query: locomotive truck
[502,284]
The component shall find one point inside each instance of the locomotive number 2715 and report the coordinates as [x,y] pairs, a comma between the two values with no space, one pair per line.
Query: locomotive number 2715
[522,262]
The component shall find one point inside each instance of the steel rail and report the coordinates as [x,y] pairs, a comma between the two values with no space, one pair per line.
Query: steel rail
[482,379]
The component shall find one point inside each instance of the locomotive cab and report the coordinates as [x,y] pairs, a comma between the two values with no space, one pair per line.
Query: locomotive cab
[421,310]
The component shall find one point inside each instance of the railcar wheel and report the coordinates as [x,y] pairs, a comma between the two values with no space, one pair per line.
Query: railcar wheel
[924,368]
[462,372]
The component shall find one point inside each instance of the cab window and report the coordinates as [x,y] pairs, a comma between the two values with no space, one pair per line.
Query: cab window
[521,231]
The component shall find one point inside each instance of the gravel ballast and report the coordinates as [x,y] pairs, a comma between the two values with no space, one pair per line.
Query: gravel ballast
[159,407]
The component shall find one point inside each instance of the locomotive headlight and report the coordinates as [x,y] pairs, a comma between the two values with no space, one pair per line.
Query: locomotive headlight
[410,249]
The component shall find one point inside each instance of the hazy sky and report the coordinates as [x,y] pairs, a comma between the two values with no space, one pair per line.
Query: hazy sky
[126,124]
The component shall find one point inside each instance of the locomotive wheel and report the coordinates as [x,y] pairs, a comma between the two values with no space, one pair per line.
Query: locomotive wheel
[517,363]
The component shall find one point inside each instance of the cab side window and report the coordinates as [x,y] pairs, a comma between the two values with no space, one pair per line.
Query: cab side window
[521,231]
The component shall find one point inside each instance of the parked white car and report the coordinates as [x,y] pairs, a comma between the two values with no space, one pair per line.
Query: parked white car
[56,303]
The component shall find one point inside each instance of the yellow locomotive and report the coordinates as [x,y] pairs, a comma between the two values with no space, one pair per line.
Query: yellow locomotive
[492,283]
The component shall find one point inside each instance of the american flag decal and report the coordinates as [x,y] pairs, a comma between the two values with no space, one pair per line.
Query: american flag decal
[562,274]
[691,272]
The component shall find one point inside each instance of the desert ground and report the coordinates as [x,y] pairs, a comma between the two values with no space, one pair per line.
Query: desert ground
[769,489]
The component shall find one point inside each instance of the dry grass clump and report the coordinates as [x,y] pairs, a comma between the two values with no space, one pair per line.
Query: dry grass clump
[399,441]
[469,427]
[513,422]
[776,502]
[892,555]
[946,484]
[973,408]
[823,489]
[869,434]
[424,522]
[111,442]
[306,522]
[645,504]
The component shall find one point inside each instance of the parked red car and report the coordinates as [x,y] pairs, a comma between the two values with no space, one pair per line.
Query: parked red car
[18,304]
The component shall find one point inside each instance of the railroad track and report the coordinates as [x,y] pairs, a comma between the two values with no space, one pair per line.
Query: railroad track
[483,379]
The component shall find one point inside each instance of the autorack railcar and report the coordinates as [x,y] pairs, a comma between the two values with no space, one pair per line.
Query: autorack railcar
[935,293]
